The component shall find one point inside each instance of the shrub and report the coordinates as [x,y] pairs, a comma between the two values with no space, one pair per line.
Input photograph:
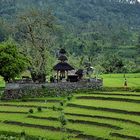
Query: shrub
[12,62]
[60,109]
[39,109]
[62,103]
[54,108]
[23,134]
[31,111]
[69,98]
[63,121]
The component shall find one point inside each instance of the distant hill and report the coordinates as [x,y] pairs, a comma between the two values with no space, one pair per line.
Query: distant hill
[109,12]
[90,27]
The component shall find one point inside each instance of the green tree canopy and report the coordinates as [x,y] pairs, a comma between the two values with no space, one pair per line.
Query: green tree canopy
[113,63]
[36,28]
[12,62]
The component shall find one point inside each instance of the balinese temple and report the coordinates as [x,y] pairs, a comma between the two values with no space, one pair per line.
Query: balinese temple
[62,68]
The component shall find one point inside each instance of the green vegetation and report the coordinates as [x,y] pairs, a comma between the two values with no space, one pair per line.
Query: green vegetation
[12,62]
[117,80]
[2,83]
[105,32]
[35,28]
[84,116]
[112,80]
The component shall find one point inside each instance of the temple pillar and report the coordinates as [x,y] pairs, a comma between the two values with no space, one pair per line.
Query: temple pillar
[57,75]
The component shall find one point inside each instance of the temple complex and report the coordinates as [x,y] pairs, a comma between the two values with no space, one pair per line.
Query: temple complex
[62,68]
[67,79]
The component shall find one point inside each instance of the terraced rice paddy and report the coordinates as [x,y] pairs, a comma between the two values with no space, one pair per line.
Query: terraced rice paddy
[92,115]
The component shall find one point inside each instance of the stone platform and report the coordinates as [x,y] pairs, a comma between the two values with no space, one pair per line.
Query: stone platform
[20,89]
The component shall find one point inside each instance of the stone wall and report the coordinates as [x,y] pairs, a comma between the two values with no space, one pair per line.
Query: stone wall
[20,90]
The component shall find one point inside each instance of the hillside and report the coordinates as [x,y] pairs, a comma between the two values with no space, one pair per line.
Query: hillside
[108,12]
[95,28]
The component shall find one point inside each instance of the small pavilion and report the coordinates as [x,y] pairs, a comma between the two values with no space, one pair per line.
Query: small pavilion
[62,67]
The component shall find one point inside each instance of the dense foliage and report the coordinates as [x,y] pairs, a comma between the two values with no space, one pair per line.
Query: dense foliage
[35,29]
[12,62]
[91,30]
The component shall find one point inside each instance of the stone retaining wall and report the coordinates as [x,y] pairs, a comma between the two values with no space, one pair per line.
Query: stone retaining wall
[20,90]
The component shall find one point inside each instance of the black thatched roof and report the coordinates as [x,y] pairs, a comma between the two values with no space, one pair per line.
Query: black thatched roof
[79,72]
[62,58]
[62,51]
[63,66]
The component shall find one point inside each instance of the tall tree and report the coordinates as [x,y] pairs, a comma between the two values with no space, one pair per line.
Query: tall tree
[36,29]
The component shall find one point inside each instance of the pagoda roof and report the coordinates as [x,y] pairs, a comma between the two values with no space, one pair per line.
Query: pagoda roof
[63,66]
[62,58]
[62,51]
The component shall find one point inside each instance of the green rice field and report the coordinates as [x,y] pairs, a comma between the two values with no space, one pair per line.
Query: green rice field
[117,80]
[91,115]
[94,115]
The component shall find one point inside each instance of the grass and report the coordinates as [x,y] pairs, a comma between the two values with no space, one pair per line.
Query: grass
[2,83]
[91,115]
[108,104]
[34,104]
[133,97]
[117,80]
[29,131]
[97,123]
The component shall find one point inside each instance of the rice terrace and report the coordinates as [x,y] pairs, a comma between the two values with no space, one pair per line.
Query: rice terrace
[69,69]
[90,114]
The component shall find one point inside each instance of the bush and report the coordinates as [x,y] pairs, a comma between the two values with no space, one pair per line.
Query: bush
[63,120]
[41,78]
[60,109]
[31,111]
[12,62]
[62,103]
[39,109]
[54,108]
[23,134]
[69,98]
